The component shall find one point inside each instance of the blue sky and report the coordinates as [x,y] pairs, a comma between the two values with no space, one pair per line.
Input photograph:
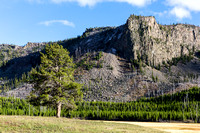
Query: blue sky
[23,21]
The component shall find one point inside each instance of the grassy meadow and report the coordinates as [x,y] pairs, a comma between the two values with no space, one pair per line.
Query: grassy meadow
[28,124]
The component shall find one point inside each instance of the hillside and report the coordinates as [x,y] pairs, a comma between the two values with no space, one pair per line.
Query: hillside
[139,58]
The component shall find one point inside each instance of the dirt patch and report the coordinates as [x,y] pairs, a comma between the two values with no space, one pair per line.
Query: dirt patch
[170,127]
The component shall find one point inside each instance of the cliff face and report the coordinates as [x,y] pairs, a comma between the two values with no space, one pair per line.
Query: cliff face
[105,58]
[160,43]
[143,37]
[140,37]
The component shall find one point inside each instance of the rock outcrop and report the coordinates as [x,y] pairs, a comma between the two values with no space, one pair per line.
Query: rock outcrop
[113,76]
[142,37]
[158,43]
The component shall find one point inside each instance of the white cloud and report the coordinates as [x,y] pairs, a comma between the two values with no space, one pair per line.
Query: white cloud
[180,12]
[64,22]
[192,5]
[90,3]
[183,8]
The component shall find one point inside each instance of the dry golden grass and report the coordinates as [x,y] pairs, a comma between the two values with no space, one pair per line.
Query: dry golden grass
[170,127]
[27,124]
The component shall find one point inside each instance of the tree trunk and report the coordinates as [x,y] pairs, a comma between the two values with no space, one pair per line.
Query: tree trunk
[58,109]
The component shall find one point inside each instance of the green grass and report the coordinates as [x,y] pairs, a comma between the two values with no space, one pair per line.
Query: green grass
[51,124]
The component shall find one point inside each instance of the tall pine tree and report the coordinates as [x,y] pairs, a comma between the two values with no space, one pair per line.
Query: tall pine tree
[53,80]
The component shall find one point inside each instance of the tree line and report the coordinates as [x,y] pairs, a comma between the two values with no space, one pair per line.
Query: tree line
[181,106]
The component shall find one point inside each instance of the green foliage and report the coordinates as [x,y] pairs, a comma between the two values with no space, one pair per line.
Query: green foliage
[90,61]
[140,67]
[154,79]
[10,84]
[134,16]
[89,66]
[157,40]
[81,63]
[183,59]
[87,62]
[15,106]
[110,67]
[135,63]
[181,106]
[100,65]
[99,55]
[158,67]
[170,69]
[53,80]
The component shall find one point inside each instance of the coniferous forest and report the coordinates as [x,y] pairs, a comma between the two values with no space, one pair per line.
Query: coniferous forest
[182,106]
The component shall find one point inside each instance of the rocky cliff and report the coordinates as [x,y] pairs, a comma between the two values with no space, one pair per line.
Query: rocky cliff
[161,42]
[139,58]
[143,37]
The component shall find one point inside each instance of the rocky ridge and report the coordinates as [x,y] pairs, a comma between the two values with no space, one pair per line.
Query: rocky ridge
[118,63]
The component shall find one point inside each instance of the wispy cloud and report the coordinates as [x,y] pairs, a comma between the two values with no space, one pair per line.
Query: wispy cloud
[180,12]
[160,14]
[91,3]
[64,22]
[183,8]
[37,1]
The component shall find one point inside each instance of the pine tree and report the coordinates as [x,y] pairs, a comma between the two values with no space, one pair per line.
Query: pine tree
[53,80]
